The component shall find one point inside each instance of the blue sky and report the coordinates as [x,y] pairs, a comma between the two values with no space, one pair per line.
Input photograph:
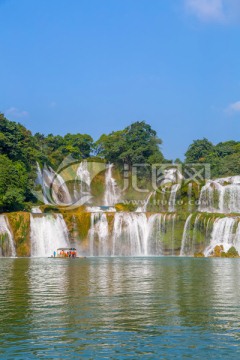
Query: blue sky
[93,66]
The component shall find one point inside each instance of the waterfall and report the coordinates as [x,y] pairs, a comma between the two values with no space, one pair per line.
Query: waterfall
[170,184]
[54,188]
[196,234]
[82,181]
[221,195]
[214,231]
[225,232]
[36,210]
[186,239]
[48,232]
[189,195]
[95,209]
[172,175]
[172,198]
[195,230]
[173,233]
[146,202]
[99,234]
[45,187]
[132,234]
[7,247]
[112,193]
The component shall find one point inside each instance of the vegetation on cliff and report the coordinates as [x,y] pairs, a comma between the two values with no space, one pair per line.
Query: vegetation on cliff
[224,157]
[20,150]
[20,226]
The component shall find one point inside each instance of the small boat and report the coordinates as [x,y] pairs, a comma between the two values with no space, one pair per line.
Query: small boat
[66,253]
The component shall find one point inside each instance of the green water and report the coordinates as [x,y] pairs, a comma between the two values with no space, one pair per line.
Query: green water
[156,308]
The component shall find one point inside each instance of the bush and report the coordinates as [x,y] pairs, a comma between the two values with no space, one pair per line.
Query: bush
[232,252]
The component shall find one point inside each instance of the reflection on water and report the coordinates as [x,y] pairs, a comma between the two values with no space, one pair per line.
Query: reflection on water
[116,307]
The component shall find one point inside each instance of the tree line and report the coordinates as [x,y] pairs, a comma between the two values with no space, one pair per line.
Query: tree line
[20,150]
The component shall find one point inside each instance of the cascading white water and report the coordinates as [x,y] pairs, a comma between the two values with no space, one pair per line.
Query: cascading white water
[143,208]
[6,235]
[112,192]
[172,198]
[172,175]
[186,238]
[171,182]
[36,210]
[54,188]
[94,209]
[48,232]
[82,181]
[133,234]
[173,233]
[221,196]
[130,232]
[195,228]
[189,193]
[215,231]
[225,232]
[99,234]
[156,225]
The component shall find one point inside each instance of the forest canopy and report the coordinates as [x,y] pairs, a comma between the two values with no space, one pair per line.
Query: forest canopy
[20,151]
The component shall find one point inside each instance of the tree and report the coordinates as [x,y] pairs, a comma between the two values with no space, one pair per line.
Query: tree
[230,165]
[13,184]
[227,148]
[55,148]
[17,142]
[136,144]
[198,151]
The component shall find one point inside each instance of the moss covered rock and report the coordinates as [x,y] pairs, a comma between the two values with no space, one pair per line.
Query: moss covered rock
[20,227]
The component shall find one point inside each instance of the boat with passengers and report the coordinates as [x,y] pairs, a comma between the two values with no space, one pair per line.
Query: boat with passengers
[66,252]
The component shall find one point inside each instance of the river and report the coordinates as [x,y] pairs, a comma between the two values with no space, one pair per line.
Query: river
[155,307]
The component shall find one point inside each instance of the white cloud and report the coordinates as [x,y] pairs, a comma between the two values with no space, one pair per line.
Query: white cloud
[233,108]
[214,10]
[206,9]
[16,113]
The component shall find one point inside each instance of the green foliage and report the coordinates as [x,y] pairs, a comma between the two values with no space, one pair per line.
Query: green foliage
[136,144]
[13,184]
[219,252]
[20,151]
[198,151]
[56,148]
[199,255]
[125,207]
[230,165]
[232,252]
[224,158]
[17,142]
[20,225]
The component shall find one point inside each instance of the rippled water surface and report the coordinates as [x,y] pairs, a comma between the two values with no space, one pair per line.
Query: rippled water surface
[157,308]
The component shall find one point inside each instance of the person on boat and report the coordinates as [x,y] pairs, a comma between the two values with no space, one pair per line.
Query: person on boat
[54,253]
